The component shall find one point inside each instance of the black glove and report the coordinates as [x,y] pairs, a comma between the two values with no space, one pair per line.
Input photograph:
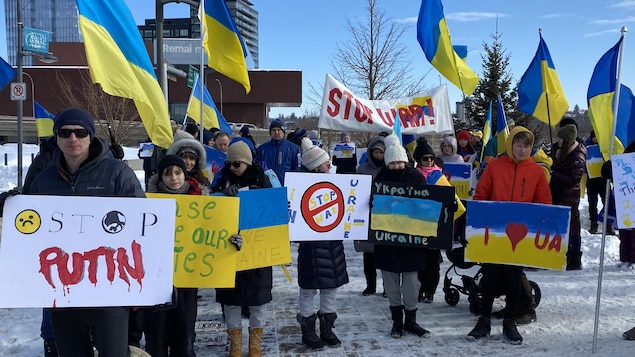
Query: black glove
[117,151]
[237,241]
[4,196]
[232,190]
[170,304]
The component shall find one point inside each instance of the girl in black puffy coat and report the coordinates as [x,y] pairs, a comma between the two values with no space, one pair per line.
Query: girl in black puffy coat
[252,287]
[321,267]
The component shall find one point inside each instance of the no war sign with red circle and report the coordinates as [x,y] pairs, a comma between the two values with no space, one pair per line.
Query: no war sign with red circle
[328,206]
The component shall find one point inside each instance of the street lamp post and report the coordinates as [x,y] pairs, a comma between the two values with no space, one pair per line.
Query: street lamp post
[221,95]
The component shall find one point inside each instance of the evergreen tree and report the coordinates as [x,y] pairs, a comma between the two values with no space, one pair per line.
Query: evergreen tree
[496,79]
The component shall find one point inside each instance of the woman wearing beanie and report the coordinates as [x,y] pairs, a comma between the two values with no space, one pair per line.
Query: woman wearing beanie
[399,265]
[321,268]
[345,165]
[172,330]
[193,154]
[426,165]
[568,167]
[252,287]
[374,163]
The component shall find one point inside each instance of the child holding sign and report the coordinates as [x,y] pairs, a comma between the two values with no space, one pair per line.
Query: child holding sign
[252,287]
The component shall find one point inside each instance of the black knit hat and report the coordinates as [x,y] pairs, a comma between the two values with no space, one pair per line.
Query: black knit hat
[422,149]
[170,160]
[74,116]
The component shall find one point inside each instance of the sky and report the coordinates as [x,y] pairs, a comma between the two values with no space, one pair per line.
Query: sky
[303,35]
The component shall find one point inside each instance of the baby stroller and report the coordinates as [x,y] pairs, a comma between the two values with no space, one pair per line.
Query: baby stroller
[470,285]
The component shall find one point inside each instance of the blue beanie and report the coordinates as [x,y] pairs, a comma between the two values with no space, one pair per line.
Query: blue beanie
[74,116]
[276,123]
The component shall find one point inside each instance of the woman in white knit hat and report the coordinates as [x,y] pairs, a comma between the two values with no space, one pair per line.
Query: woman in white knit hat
[321,268]
[399,264]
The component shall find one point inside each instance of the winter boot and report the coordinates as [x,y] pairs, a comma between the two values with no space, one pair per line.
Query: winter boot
[309,337]
[574,260]
[235,336]
[412,326]
[482,329]
[397,321]
[255,339]
[511,332]
[49,349]
[630,334]
[594,227]
[326,325]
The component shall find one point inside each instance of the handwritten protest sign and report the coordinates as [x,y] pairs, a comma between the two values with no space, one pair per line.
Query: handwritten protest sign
[412,215]
[72,251]
[528,234]
[624,188]
[264,226]
[203,255]
[460,176]
[594,161]
[146,150]
[328,206]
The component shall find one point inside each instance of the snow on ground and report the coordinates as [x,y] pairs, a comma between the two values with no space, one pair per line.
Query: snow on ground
[565,325]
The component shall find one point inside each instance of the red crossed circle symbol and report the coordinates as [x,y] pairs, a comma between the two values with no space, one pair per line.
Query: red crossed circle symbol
[309,214]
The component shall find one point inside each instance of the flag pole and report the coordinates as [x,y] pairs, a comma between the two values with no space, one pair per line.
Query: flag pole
[546,99]
[616,102]
[202,71]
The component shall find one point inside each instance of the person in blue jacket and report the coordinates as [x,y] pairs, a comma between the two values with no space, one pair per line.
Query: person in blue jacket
[280,154]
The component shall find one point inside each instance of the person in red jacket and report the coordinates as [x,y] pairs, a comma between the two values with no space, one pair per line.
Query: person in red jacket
[513,176]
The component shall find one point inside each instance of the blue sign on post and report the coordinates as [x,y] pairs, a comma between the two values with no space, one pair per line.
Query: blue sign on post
[36,40]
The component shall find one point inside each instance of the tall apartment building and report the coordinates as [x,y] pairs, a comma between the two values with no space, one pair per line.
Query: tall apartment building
[57,16]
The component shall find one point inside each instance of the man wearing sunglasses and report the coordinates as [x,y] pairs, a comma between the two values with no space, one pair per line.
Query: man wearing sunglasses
[84,166]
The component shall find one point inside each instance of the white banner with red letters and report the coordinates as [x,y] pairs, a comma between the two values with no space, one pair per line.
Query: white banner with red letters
[424,113]
[74,251]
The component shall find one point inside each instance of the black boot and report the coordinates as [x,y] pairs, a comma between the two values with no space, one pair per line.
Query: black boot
[482,329]
[412,326]
[326,325]
[397,321]
[49,349]
[574,260]
[511,332]
[309,337]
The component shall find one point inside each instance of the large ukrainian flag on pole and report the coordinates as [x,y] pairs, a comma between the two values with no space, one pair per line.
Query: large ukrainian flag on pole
[603,103]
[212,117]
[539,91]
[434,38]
[119,62]
[226,52]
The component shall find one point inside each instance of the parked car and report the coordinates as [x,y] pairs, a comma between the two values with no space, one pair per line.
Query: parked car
[238,126]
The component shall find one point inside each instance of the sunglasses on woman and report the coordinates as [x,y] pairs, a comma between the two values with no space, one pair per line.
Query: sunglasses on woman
[427,158]
[66,133]
[235,164]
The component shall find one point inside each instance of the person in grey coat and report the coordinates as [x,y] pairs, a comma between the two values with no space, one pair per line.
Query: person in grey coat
[85,166]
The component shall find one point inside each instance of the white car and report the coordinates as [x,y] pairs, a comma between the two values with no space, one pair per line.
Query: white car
[238,126]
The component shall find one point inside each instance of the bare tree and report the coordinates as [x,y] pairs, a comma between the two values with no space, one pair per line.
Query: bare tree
[117,112]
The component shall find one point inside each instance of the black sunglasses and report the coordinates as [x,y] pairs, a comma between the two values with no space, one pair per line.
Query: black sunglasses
[235,164]
[66,133]
[428,158]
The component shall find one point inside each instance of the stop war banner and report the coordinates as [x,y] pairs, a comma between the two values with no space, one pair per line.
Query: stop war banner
[424,113]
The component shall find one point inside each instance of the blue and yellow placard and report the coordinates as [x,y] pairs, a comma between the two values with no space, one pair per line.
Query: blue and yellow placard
[594,161]
[460,176]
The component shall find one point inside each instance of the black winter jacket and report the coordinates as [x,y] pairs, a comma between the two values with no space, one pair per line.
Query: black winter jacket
[252,287]
[100,175]
[398,259]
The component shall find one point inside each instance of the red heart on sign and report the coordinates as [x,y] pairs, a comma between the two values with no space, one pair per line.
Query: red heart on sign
[516,232]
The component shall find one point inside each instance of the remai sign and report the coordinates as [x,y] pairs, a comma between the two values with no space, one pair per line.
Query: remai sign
[182,51]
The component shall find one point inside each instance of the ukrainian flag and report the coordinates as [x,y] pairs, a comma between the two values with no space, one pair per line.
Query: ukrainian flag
[487,130]
[43,121]
[212,118]
[7,73]
[539,91]
[601,97]
[434,38]
[502,131]
[225,50]
[119,62]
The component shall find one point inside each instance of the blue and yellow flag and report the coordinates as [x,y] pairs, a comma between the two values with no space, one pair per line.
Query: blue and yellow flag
[539,91]
[487,130]
[212,118]
[225,50]
[43,121]
[601,97]
[119,62]
[7,73]
[434,38]
[461,51]
[396,127]
[502,131]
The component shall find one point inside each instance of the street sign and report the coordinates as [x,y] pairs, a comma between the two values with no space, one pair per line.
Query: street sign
[192,72]
[36,40]
[18,91]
